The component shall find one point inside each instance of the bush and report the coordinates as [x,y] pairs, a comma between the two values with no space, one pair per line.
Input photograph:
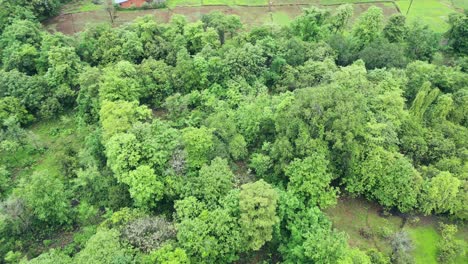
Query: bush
[366,232]
[148,233]
[449,247]
[384,232]
[402,247]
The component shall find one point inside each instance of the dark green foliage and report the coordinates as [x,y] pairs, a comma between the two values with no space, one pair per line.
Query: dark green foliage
[458,32]
[422,43]
[396,30]
[382,54]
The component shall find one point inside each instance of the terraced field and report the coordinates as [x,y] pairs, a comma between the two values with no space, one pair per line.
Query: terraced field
[78,14]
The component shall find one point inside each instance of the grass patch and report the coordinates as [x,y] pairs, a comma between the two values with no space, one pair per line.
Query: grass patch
[335,2]
[281,18]
[218,2]
[174,3]
[82,6]
[462,4]
[425,239]
[431,12]
[357,216]
[54,136]
[251,2]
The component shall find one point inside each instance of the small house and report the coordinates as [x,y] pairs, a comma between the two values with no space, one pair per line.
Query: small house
[130,3]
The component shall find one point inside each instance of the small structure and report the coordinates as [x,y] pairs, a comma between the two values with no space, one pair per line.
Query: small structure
[130,3]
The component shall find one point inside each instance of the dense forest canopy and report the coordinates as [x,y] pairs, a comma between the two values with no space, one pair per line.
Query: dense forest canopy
[207,142]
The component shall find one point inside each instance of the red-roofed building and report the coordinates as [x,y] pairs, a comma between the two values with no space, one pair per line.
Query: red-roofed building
[130,3]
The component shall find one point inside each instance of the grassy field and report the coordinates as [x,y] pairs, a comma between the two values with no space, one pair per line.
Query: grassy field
[54,136]
[361,221]
[431,12]
[82,6]
[425,240]
[367,229]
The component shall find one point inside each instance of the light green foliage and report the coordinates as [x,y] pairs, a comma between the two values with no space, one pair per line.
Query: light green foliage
[387,177]
[261,164]
[104,247]
[310,180]
[4,180]
[198,144]
[122,217]
[443,106]
[341,17]
[123,153]
[396,30]
[10,107]
[88,95]
[46,196]
[450,247]
[246,61]
[424,98]
[155,76]
[257,204]
[223,24]
[310,238]
[192,73]
[213,182]
[119,116]
[52,257]
[212,237]
[144,186]
[63,72]
[168,254]
[310,25]
[19,46]
[188,208]
[238,147]
[369,26]
[440,194]
[355,255]
[119,83]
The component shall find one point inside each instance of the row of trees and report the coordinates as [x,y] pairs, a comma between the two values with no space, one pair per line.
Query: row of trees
[207,143]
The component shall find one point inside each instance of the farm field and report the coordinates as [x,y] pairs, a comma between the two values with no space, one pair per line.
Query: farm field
[431,12]
[76,15]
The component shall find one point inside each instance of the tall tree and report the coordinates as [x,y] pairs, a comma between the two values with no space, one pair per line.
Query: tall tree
[258,202]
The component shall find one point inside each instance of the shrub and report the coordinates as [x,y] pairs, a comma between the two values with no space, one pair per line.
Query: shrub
[148,233]
[366,232]
[449,247]
[385,232]
[402,247]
